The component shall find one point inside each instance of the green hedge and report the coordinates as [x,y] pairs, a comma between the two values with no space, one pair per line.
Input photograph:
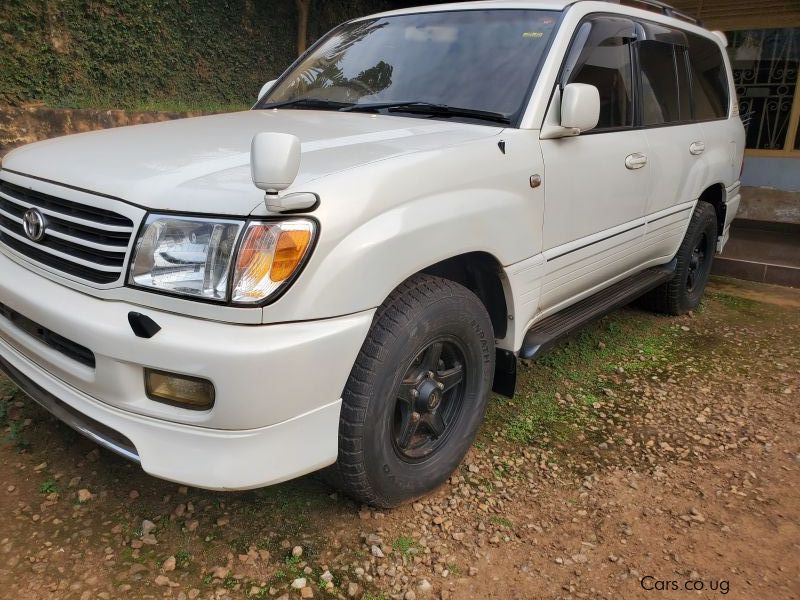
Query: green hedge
[150,55]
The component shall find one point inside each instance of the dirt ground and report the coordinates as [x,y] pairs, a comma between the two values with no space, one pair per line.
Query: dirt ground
[648,457]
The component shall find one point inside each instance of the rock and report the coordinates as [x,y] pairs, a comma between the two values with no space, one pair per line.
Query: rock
[220,572]
[473,571]
[306,592]
[297,551]
[417,506]
[136,568]
[579,558]
[169,564]
[183,490]
[133,494]
[147,527]
[40,467]
[162,580]
[353,589]
[299,583]
[424,586]
[193,593]
[376,552]
[84,495]
[223,521]
[410,595]
[255,590]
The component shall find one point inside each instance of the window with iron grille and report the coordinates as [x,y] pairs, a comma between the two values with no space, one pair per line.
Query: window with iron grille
[765,65]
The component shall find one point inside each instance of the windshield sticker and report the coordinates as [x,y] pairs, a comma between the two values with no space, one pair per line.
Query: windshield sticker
[533,34]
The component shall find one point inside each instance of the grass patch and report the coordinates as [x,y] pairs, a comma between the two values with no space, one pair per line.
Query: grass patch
[183,559]
[746,306]
[48,487]
[15,437]
[501,522]
[557,393]
[404,545]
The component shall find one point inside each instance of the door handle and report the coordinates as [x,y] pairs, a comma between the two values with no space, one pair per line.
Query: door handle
[697,148]
[635,161]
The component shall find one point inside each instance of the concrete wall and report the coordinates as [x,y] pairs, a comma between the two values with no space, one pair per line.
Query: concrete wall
[776,173]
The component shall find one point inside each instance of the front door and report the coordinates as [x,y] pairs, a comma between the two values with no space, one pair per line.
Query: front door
[596,184]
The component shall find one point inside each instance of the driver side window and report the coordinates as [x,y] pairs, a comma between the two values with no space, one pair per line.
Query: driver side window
[601,56]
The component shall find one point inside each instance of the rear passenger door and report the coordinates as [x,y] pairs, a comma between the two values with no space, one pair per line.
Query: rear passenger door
[675,141]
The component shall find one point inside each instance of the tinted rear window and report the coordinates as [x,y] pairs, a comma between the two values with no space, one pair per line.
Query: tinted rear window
[709,80]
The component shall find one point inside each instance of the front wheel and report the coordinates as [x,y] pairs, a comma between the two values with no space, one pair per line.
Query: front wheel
[684,291]
[417,393]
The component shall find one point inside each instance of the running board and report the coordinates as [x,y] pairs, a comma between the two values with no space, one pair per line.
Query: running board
[549,330]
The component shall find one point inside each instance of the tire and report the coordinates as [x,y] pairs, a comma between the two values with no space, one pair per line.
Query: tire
[384,459]
[684,291]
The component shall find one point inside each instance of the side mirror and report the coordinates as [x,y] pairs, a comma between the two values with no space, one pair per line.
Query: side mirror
[265,88]
[274,160]
[580,107]
[274,164]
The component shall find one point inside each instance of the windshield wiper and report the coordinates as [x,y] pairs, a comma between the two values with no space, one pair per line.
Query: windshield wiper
[311,103]
[429,108]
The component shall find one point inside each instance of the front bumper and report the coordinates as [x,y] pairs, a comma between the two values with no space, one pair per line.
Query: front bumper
[278,387]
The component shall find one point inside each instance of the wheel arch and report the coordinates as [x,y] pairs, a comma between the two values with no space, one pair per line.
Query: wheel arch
[715,195]
[482,273]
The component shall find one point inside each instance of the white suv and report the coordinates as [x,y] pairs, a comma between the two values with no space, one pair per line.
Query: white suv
[340,275]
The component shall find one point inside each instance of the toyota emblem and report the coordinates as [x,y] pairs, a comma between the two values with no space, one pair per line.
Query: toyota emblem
[34,224]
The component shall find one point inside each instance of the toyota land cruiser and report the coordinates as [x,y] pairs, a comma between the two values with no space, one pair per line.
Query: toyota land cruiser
[339,276]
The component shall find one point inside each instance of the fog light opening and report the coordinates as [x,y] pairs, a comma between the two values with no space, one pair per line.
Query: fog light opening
[183,391]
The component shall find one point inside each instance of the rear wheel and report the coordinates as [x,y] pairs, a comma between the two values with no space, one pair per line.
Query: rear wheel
[684,291]
[417,393]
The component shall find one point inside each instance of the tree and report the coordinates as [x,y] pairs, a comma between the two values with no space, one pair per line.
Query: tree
[303,7]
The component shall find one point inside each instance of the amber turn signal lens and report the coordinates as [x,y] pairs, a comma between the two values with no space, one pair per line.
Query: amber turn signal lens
[289,251]
[179,390]
[270,253]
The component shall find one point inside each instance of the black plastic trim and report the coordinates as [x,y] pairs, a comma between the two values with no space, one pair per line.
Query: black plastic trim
[94,430]
[142,325]
[59,343]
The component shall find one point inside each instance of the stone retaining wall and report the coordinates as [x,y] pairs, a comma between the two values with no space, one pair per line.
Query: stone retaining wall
[22,125]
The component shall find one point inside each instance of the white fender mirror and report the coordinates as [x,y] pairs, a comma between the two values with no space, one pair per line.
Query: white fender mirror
[274,160]
[274,164]
[265,88]
[580,107]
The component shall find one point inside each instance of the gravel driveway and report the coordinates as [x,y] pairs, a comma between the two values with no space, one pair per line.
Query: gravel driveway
[647,457]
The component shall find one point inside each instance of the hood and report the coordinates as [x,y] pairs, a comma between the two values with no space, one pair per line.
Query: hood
[202,164]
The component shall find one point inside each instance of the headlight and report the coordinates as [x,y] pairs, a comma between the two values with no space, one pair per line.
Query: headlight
[198,257]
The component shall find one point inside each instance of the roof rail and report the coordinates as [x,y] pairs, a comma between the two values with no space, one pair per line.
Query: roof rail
[659,7]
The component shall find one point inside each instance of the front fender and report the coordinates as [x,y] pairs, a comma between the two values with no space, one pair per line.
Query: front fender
[415,211]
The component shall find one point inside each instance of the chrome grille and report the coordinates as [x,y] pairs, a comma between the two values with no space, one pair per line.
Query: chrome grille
[81,240]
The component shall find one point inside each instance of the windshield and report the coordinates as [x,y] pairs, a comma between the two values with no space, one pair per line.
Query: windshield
[471,60]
